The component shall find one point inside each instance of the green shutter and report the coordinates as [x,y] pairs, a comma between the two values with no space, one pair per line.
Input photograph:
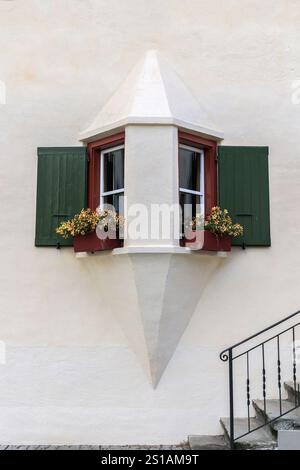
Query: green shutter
[61,191]
[244,191]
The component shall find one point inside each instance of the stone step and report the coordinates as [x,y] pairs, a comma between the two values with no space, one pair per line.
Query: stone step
[260,439]
[208,442]
[289,386]
[288,421]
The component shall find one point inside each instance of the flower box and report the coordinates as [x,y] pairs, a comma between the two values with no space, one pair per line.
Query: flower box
[207,241]
[90,243]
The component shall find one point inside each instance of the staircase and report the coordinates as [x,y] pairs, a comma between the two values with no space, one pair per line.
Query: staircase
[263,438]
[271,415]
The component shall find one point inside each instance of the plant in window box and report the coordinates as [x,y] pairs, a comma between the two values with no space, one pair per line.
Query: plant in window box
[93,230]
[214,233]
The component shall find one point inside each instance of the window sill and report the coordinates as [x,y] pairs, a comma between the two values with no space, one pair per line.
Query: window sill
[154,249]
[166,249]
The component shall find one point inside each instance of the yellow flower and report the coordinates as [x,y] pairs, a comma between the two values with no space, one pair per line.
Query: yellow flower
[219,222]
[86,221]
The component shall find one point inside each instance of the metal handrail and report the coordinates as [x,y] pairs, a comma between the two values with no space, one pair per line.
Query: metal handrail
[224,357]
[227,355]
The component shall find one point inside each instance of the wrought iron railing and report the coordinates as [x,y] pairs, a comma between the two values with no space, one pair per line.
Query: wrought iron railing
[230,355]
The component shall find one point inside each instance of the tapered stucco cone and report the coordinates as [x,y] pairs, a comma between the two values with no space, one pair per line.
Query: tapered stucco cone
[161,285]
[168,288]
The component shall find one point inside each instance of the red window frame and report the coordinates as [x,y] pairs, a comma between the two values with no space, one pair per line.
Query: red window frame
[210,165]
[94,150]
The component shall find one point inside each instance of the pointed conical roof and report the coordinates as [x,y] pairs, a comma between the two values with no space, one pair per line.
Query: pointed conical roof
[152,94]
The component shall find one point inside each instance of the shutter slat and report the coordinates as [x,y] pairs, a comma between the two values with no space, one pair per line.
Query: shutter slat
[61,191]
[244,191]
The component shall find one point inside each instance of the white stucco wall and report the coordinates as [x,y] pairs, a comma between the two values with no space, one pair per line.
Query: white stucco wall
[75,370]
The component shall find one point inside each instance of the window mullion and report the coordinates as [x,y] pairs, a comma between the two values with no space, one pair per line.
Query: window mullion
[191,191]
[114,191]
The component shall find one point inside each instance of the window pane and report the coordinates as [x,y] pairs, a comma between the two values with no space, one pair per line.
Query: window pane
[189,169]
[191,205]
[113,170]
[115,200]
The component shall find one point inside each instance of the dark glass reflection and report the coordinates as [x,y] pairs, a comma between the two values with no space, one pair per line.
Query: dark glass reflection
[189,169]
[115,200]
[113,170]
[190,207]
[192,200]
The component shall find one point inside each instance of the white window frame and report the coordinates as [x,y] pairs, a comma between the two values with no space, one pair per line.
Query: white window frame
[114,191]
[201,193]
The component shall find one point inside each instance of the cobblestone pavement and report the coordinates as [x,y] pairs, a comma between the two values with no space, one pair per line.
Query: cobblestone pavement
[184,446]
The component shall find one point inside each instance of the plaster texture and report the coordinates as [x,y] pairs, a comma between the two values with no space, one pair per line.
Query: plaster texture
[76,369]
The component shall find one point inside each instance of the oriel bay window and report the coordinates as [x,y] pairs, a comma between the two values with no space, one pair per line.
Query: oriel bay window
[72,178]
